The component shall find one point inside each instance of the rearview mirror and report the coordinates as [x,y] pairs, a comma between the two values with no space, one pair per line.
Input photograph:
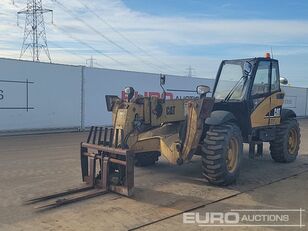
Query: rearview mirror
[162,79]
[110,101]
[130,92]
[203,90]
[284,81]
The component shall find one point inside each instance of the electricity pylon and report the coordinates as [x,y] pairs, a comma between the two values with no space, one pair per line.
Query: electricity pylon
[34,34]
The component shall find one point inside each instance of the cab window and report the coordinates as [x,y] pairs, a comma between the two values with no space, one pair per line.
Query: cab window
[261,85]
[275,77]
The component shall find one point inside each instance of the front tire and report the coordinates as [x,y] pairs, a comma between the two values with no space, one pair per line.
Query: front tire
[222,153]
[285,147]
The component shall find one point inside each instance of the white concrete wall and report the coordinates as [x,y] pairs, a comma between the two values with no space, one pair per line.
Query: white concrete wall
[296,99]
[48,96]
[54,96]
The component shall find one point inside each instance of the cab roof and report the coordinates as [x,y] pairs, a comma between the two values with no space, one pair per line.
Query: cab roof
[251,59]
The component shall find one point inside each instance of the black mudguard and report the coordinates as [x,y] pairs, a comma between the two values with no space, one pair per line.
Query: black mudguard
[287,114]
[219,117]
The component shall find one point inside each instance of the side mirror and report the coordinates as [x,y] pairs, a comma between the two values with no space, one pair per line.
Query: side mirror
[247,67]
[162,79]
[162,83]
[284,81]
[110,101]
[203,90]
[130,92]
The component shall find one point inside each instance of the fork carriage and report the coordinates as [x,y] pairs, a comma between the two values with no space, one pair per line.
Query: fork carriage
[106,163]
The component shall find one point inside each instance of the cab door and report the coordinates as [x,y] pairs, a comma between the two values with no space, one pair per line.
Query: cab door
[261,95]
[266,95]
[276,98]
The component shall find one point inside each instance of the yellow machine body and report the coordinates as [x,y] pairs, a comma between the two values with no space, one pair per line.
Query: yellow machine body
[154,125]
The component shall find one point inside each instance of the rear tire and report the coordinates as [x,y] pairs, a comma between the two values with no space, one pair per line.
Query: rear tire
[146,159]
[222,153]
[285,147]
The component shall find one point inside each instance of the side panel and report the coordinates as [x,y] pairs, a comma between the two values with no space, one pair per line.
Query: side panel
[261,116]
[172,110]
[274,115]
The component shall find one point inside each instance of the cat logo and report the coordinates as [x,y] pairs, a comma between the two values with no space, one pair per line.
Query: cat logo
[277,111]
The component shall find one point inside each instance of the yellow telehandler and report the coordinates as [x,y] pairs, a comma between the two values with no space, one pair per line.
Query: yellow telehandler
[245,107]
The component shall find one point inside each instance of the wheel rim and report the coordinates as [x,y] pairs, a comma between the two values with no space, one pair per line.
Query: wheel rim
[292,141]
[232,155]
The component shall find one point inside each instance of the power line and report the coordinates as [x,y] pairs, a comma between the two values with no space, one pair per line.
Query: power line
[102,35]
[99,65]
[123,36]
[68,51]
[89,46]
[74,53]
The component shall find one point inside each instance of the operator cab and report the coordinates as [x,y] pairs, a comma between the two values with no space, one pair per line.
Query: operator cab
[244,87]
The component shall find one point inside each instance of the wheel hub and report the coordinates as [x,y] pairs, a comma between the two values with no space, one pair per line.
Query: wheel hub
[292,141]
[232,155]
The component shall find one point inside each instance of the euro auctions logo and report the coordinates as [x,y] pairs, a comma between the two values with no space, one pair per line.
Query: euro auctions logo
[247,218]
[211,218]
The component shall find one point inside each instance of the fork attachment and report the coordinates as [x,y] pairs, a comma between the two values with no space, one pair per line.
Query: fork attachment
[106,163]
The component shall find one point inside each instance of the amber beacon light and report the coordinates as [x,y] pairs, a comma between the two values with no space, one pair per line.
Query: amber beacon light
[267,55]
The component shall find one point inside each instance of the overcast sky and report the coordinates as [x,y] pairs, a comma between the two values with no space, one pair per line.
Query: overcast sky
[168,36]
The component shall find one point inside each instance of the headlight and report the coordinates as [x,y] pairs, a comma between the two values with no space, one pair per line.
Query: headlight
[202,89]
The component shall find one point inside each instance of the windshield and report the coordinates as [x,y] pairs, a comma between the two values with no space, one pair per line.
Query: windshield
[231,79]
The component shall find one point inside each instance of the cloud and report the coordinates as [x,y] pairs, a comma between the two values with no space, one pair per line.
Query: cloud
[159,35]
